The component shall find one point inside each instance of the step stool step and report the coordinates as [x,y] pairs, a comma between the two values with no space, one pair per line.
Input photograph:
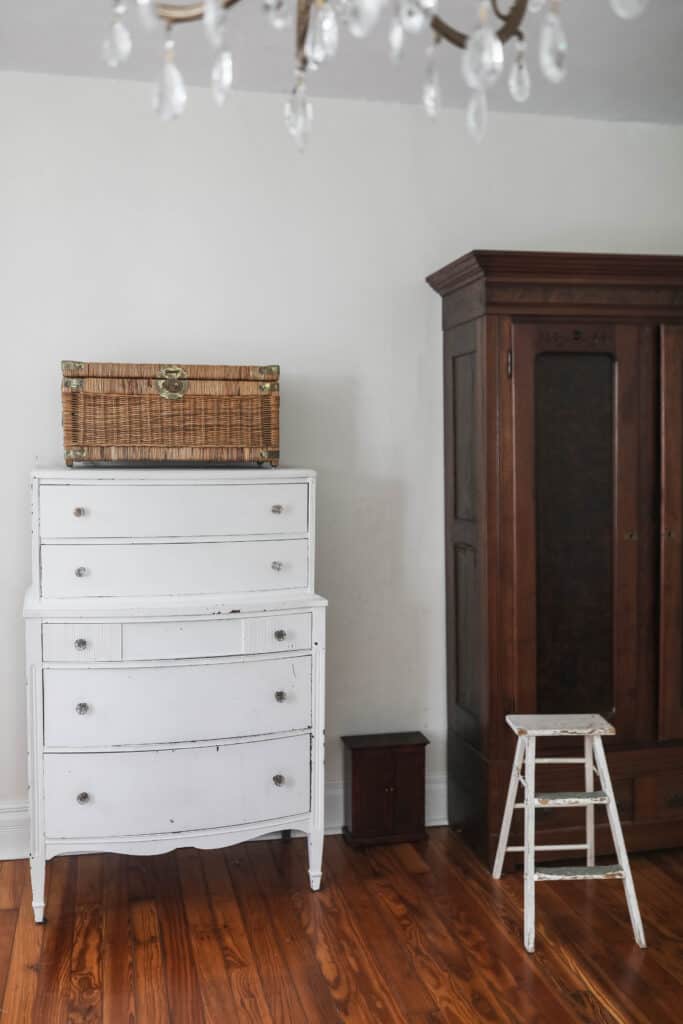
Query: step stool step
[562,874]
[581,799]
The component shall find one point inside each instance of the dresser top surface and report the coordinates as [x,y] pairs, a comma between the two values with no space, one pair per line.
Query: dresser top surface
[89,474]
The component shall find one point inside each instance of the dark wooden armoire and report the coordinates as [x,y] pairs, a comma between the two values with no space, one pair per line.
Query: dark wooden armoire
[563,385]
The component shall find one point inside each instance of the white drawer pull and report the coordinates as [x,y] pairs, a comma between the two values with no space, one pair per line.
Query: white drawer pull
[276,566]
[80,644]
[277,510]
[279,780]
[280,696]
[280,634]
[82,708]
[81,571]
[79,512]
[83,798]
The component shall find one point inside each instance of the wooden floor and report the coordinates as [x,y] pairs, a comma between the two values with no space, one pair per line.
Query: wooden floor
[408,933]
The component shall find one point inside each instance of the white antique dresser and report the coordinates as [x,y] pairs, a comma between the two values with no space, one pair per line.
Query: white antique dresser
[175,662]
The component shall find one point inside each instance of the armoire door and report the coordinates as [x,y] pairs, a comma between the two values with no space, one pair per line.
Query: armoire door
[583,464]
[671,546]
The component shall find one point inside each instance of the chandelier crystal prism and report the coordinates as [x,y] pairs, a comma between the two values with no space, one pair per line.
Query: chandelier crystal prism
[317,25]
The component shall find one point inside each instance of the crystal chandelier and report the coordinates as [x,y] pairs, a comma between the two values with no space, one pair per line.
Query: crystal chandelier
[317,30]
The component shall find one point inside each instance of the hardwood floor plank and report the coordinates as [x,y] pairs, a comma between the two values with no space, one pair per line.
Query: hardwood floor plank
[243,978]
[635,982]
[493,953]
[281,882]
[13,877]
[560,968]
[118,1003]
[341,864]
[8,925]
[398,935]
[151,1001]
[85,1004]
[490,987]
[182,983]
[207,951]
[22,976]
[280,994]
[54,977]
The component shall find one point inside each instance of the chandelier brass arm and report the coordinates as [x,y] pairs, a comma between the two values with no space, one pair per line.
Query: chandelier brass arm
[510,27]
[181,13]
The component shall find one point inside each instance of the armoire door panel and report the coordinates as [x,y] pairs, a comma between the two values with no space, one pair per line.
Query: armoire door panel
[671,543]
[577,512]
[464,485]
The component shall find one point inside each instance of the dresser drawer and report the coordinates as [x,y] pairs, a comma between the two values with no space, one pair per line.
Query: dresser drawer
[148,792]
[83,511]
[154,570]
[108,707]
[82,641]
[146,641]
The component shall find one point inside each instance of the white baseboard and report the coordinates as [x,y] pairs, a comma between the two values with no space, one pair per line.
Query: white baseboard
[14,830]
[14,826]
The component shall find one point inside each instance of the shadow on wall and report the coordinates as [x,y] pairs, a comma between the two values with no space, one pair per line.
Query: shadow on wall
[376,654]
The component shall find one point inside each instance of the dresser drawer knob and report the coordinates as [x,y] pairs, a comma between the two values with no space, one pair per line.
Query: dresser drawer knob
[276,566]
[280,634]
[81,571]
[280,696]
[82,708]
[79,511]
[277,510]
[83,798]
[279,780]
[80,644]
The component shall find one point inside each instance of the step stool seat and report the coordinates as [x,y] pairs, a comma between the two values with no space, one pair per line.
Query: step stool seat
[559,725]
[583,799]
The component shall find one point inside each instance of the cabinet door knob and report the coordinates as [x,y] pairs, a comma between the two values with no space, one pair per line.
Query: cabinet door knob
[277,510]
[82,708]
[80,644]
[279,780]
[80,571]
[280,634]
[83,798]
[79,511]
[280,696]
[276,566]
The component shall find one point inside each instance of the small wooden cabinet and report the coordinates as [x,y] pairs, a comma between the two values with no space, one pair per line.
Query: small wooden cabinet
[384,788]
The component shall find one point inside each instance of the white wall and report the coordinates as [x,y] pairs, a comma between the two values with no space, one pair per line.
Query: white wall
[214,240]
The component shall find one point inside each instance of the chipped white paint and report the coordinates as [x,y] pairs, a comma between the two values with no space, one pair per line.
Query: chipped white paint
[559,725]
[592,727]
[193,713]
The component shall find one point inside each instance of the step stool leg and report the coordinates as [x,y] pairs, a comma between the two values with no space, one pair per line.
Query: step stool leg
[618,839]
[529,845]
[513,787]
[590,810]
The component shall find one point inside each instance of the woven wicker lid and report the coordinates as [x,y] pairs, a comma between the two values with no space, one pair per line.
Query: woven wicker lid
[188,371]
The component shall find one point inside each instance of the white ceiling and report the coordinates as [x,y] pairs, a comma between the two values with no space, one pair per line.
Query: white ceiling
[619,70]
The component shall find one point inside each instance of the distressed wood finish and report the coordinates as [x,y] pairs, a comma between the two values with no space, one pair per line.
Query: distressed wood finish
[158,720]
[561,595]
[409,934]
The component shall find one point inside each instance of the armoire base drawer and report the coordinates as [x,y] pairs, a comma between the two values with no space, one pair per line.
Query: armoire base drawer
[123,706]
[148,792]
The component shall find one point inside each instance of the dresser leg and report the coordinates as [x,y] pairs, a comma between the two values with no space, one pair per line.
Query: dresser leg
[315,859]
[38,888]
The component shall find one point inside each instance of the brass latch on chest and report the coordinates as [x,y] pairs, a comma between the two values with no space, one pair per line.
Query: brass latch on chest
[171,382]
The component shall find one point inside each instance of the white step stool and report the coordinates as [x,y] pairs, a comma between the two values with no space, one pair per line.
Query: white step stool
[592,728]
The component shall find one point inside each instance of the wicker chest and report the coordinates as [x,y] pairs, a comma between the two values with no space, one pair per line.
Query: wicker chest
[147,413]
